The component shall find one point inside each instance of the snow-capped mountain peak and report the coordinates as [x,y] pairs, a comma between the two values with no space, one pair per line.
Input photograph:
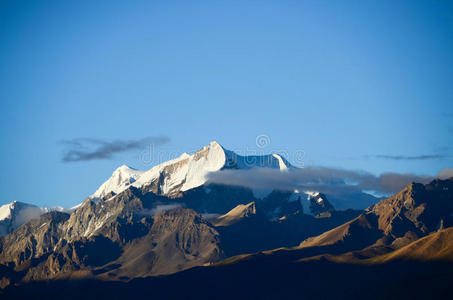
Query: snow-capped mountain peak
[121,178]
[16,213]
[5,210]
[187,171]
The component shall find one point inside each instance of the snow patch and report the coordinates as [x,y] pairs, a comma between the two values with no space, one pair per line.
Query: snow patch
[5,210]
[282,165]
[305,197]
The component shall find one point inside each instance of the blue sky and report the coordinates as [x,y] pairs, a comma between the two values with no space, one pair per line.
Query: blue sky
[344,81]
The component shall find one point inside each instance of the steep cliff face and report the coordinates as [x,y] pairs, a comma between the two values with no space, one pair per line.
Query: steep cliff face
[126,237]
[178,239]
[32,240]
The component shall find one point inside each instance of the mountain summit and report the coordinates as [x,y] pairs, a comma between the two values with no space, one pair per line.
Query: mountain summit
[186,172]
[121,178]
[17,213]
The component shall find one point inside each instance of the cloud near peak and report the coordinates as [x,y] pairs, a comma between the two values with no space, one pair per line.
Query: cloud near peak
[327,180]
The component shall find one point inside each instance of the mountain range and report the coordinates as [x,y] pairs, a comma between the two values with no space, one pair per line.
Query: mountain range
[185,178]
[169,226]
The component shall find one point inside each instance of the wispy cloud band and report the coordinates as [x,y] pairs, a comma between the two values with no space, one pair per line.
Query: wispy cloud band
[327,180]
[85,149]
[417,157]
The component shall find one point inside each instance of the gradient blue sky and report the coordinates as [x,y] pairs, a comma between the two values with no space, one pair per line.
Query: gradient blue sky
[341,80]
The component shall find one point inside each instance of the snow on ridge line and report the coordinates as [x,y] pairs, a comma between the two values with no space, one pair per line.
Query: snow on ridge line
[7,210]
[187,171]
[15,214]
[121,178]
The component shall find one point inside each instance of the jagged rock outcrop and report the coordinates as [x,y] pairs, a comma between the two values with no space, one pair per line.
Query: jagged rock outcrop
[414,212]
[129,236]
[418,208]
[32,240]
[319,204]
[178,239]
[248,228]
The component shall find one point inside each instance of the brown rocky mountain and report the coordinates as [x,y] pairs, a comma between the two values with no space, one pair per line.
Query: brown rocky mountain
[438,246]
[137,233]
[118,239]
[395,228]
[140,234]
[412,213]
[247,228]
[150,223]
[421,270]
